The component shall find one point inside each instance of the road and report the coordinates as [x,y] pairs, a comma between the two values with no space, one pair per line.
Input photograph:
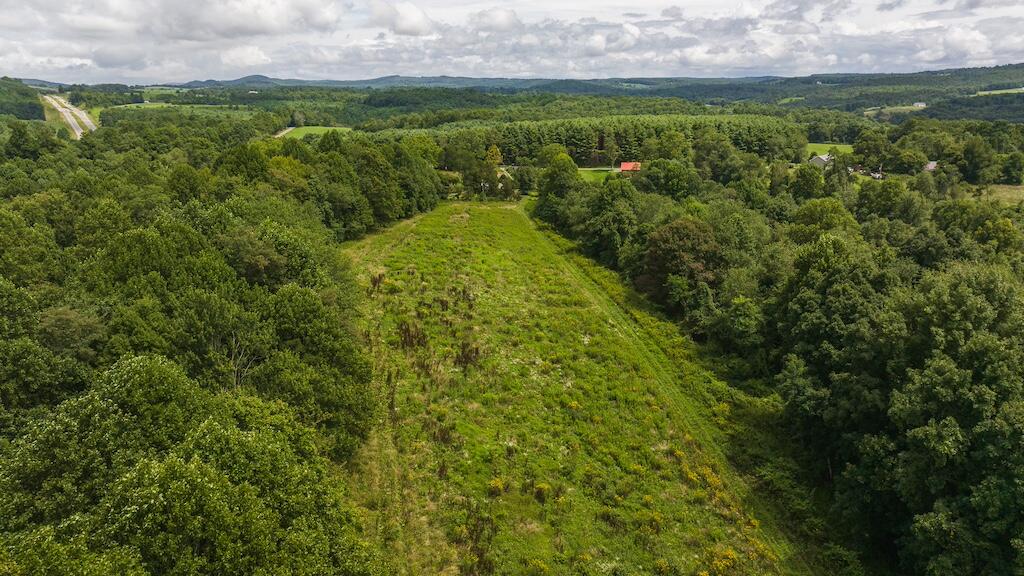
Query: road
[73,117]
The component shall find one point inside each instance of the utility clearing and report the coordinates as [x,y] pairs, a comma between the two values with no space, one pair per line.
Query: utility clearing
[537,416]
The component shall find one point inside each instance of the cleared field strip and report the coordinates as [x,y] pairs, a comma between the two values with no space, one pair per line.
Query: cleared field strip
[522,390]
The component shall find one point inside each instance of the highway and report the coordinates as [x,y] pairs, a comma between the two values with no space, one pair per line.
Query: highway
[74,117]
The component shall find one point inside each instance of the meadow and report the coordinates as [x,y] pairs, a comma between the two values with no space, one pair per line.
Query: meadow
[537,417]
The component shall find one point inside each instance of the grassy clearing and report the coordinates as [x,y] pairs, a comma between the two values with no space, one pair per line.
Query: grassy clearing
[595,175]
[823,148]
[1007,193]
[537,417]
[1004,91]
[316,130]
[885,111]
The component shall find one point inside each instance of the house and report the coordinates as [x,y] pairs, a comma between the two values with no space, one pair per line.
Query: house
[930,166]
[920,104]
[629,167]
[819,160]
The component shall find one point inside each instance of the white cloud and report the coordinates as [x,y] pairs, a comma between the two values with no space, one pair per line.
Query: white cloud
[496,19]
[244,56]
[177,40]
[403,18]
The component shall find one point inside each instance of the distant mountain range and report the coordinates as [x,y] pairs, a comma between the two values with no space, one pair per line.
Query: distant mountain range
[596,85]
[984,78]
[997,77]
[851,92]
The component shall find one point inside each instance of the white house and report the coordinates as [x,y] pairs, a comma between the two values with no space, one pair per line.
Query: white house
[820,160]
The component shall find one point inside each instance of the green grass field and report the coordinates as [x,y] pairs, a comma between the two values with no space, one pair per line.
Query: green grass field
[823,148]
[595,175]
[537,417]
[1004,91]
[317,130]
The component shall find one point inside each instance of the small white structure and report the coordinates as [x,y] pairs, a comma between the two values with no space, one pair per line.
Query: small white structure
[920,104]
[930,166]
[820,160]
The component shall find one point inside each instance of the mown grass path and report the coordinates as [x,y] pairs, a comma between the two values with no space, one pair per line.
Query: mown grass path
[536,417]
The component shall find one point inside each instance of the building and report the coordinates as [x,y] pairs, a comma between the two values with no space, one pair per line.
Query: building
[920,104]
[629,167]
[819,160]
[931,166]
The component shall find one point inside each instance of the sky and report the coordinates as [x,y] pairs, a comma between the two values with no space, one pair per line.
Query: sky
[152,41]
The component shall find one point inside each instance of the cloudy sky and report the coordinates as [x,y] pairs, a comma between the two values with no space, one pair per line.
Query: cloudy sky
[179,40]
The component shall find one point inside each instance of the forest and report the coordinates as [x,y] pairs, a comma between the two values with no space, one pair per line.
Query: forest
[177,320]
[218,347]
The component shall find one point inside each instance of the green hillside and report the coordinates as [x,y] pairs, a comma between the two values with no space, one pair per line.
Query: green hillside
[18,100]
[537,418]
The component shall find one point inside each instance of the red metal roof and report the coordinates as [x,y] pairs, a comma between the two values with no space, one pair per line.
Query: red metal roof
[629,166]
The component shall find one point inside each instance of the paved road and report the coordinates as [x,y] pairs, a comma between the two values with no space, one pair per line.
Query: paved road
[69,117]
[72,115]
[81,114]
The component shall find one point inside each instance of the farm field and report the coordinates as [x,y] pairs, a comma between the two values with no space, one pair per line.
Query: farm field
[536,417]
[314,130]
[823,148]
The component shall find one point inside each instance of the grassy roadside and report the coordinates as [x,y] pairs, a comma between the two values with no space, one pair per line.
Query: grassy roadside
[54,118]
[536,417]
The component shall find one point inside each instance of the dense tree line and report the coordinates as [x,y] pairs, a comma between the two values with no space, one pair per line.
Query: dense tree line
[609,139]
[103,95]
[178,371]
[1006,107]
[886,315]
[977,152]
